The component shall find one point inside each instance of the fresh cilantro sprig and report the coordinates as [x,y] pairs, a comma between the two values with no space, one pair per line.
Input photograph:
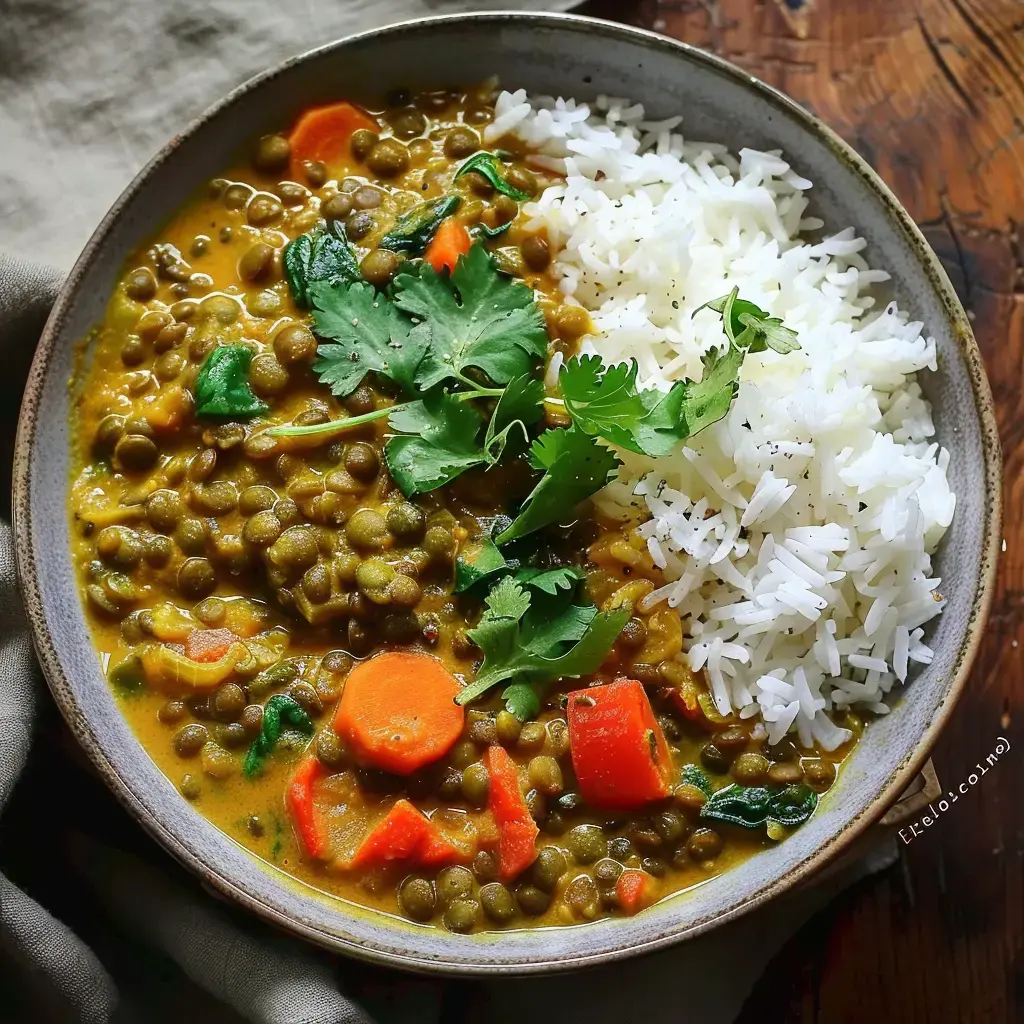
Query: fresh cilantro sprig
[750,328]
[441,341]
[537,637]
[605,402]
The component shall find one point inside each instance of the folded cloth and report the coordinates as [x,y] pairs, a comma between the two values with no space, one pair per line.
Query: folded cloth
[97,923]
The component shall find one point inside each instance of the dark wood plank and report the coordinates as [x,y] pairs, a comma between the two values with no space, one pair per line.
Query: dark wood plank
[931,92]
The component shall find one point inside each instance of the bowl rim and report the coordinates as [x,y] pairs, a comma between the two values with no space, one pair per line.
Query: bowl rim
[893,786]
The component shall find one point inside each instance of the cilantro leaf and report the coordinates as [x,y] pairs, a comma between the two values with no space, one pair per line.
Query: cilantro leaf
[482,562]
[487,165]
[369,334]
[537,643]
[478,318]
[575,466]
[415,229]
[750,327]
[550,581]
[437,442]
[606,401]
[222,385]
[520,406]
[708,400]
[321,255]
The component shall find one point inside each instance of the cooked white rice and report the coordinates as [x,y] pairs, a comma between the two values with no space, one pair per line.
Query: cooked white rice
[796,534]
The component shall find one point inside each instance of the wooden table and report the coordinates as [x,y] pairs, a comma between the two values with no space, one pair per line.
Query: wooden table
[931,93]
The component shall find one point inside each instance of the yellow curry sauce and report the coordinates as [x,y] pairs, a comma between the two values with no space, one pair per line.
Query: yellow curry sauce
[306,550]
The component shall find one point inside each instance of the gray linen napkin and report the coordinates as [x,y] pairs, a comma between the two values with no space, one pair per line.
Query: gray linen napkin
[97,923]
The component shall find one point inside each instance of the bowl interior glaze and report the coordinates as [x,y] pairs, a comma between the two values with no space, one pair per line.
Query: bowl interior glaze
[552,54]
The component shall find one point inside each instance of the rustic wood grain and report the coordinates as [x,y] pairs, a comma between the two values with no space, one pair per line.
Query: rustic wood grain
[931,92]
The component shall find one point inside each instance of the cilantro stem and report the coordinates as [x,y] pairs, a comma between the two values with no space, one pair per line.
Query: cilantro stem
[336,426]
[333,425]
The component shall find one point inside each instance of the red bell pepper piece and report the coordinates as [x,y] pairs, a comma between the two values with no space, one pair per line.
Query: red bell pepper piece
[635,890]
[517,831]
[405,834]
[619,752]
[208,644]
[300,804]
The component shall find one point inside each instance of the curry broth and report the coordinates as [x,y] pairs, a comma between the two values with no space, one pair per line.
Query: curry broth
[209,291]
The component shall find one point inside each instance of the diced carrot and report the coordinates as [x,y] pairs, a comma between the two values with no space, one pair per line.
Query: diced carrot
[619,752]
[450,241]
[323,134]
[635,890]
[398,711]
[303,811]
[404,834]
[517,831]
[208,644]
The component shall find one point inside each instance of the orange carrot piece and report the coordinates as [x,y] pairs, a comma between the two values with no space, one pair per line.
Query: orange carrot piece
[208,644]
[300,804]
[635,890]
[398,711]
[404,834]
[517,831]
[323,133]
[450,241]
[618,750]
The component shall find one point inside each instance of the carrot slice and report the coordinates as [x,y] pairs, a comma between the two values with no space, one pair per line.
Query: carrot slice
[450,241]
[404,834]
[635,890]
[323,133]
[398,711]
[517,831]
[208,644]
[619,752]
[300,803]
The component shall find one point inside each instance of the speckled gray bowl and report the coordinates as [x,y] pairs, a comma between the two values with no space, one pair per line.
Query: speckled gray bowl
[545,54]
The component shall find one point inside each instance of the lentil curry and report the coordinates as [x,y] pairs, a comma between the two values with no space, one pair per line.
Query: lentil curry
[329,533]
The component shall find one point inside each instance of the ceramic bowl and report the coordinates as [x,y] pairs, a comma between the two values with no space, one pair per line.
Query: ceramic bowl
[553,54]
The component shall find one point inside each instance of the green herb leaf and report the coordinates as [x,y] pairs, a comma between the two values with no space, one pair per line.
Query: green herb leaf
[222,385]
[415,229]
[521,700]
[481,562]
[575,467]
[320,255]
[537,641]
[520,406]
[605,400]
[488,165]
[480,232]
[280,710]
[691,775]
[369,332]
[437,442]
[550,581]
[754,806]
[477,318]
[750,327]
